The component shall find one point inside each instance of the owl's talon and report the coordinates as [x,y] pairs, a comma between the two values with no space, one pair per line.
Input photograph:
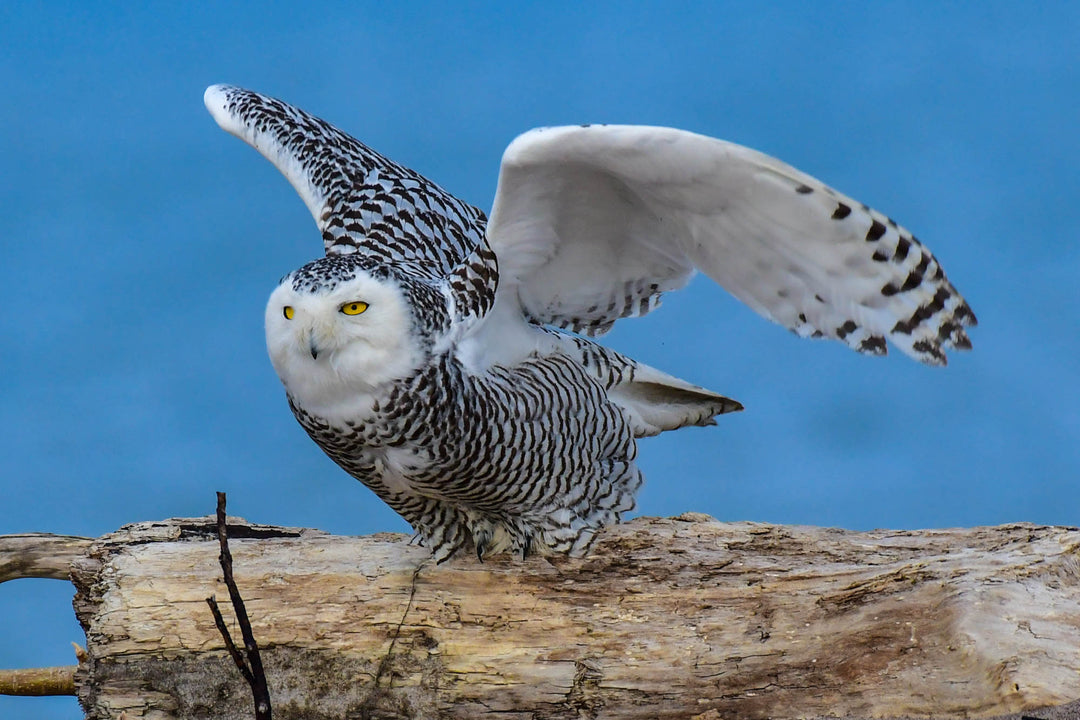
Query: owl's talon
[482,540]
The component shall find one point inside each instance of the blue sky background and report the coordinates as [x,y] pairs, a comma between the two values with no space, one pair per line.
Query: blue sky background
[140,243]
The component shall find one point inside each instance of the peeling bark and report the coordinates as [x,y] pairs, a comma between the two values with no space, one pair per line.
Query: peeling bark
[667,618]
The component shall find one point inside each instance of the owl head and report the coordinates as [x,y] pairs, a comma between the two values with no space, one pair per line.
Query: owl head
[342,326]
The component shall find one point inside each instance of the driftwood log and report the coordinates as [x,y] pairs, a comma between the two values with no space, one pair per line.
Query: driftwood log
[667,618]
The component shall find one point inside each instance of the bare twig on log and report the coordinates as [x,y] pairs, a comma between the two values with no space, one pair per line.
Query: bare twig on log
[255,675]
[39,681]
[234,652]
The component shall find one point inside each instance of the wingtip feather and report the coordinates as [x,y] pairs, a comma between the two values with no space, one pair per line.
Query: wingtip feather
[216,98]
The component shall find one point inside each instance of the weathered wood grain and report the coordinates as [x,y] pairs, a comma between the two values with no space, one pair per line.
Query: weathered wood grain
[667,618]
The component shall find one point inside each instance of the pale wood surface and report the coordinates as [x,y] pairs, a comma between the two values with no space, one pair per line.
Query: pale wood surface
[667,618]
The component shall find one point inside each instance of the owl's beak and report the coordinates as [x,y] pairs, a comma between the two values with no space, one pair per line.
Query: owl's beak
[313,347]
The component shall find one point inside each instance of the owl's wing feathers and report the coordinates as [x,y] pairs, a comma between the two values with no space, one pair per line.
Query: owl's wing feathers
[361,201]
[592,223]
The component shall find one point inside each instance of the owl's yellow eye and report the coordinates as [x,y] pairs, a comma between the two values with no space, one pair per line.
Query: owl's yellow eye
[354,308]
[288,312]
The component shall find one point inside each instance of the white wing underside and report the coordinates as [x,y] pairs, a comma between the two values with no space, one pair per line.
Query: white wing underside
[592,223]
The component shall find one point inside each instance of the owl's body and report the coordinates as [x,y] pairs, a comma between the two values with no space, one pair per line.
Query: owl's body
[499,460]
[427,354]
[530,456]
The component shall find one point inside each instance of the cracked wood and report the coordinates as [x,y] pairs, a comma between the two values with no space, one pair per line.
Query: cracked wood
[672,617]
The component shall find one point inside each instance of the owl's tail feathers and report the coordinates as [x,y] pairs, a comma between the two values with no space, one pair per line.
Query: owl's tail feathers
[656,401]
[652,400]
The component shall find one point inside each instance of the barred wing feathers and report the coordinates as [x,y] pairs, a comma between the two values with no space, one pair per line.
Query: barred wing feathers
[593,223]
[361,201]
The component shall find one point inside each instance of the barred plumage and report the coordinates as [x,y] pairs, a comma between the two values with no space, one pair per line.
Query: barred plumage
[482,450]
[361,201]
[428,352]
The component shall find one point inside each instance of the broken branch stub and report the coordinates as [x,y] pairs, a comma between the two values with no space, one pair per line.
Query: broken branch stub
[39,555]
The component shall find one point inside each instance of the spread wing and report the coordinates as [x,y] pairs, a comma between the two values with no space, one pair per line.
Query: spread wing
[360,200]
[592,223]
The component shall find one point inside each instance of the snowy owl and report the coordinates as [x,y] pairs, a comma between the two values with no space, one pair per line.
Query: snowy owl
[444,359]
